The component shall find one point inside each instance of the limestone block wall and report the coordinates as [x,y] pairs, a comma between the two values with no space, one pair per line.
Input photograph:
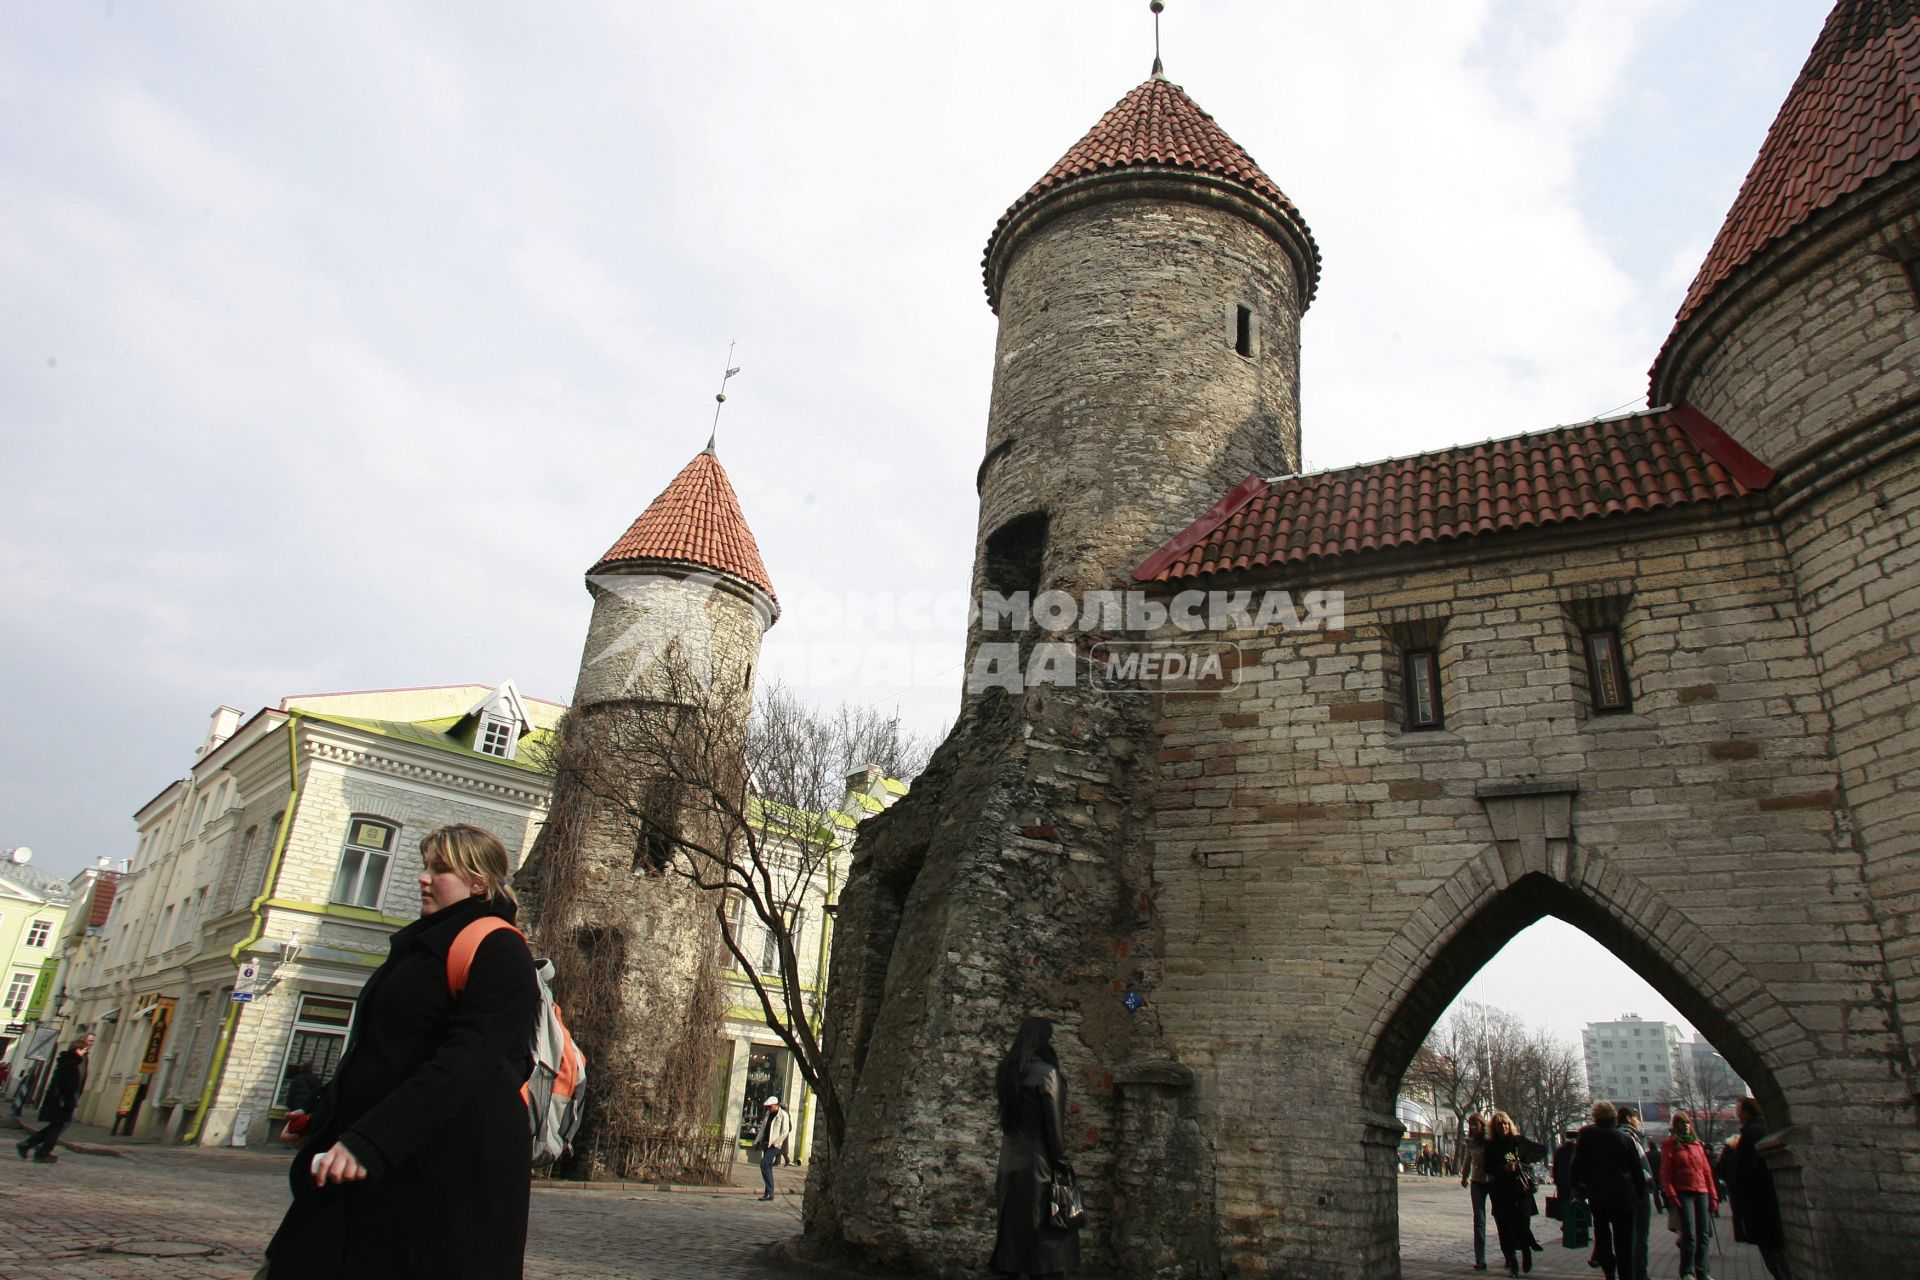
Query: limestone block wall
[1853,533]
[643,619]
[1326,881]
[1121,407]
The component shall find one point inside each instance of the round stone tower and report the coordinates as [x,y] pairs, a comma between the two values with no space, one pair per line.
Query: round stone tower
[1149,288]
[1800,338]
[680,603]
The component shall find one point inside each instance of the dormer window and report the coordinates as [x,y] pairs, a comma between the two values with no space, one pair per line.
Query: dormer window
[497,737]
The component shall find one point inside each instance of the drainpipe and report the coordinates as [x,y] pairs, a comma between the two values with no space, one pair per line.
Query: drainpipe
[254,933]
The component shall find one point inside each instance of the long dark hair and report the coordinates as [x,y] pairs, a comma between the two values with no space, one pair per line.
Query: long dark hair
[1033,1040]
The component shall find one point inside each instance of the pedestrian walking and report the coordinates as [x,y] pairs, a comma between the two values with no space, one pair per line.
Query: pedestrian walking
[1643,1207]
[1687,1181]
[770,1140]
[1608,1170]
[416,1163]
[303,1088]
[1032,1100]
[63,1095]
[1509,1157]
[1756,1208]
[1473,1176]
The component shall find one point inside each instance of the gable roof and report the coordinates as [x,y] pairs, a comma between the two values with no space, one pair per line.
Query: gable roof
[1596,470]
[696,522]
[1157,127]
[1852,115]
[504,701]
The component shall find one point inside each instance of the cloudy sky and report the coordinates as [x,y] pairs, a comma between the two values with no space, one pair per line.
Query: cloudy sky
[337,341]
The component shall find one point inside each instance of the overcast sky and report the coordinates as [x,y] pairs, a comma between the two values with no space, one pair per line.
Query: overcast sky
[337,341]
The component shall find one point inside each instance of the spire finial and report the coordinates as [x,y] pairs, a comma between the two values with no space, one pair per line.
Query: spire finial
[720,397]
[1159,72]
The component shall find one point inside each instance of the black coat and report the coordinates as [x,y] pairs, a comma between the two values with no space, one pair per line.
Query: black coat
[1756,1208]
[427,1097]
[1027,1241]
[1608,1169]
[302,1090]
[63,1091]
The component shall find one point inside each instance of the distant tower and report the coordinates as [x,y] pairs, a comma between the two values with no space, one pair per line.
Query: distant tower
[1149,288]
[680,603]
[1801,339]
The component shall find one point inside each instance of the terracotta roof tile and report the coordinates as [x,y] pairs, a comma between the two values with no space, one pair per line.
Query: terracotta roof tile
[1593,471]
[1157,126]
[1853,114]
[695,521]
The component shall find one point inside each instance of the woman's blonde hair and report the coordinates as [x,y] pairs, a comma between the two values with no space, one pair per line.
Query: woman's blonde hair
[471,851]
[1501,1117]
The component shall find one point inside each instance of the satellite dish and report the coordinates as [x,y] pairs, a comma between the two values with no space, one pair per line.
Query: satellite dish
[21,855]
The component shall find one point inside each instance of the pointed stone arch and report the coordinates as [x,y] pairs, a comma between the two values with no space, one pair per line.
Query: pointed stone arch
[1534,869]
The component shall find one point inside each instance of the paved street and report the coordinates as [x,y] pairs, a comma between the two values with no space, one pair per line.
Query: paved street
[160,1213]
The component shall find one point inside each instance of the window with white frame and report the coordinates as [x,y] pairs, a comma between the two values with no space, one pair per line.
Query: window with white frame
[38,932]
[318,1038]
[19,987]
[362,877]
[497,736]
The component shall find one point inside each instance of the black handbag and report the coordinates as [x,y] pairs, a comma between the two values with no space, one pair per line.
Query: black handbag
[1066,1210]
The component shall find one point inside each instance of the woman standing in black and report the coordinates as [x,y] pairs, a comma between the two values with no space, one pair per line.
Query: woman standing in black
[1033,1113]
[1508,1157]
[63,1095]
[416,1163]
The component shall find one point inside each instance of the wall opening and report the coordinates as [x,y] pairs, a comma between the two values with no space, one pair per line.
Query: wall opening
[1015,553]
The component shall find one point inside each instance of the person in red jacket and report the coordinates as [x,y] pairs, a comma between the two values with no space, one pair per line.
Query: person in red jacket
[1686,1179]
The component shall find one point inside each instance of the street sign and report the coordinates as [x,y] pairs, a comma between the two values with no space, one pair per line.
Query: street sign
[242,997]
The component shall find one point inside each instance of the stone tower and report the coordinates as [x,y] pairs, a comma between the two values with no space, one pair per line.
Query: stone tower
[1801,338]
[680,603]
[1149,288]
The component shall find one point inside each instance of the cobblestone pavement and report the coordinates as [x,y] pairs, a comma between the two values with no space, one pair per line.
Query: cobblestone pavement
[107,1218]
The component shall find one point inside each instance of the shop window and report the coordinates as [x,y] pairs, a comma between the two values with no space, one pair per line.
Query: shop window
[318,1038]
[362,877]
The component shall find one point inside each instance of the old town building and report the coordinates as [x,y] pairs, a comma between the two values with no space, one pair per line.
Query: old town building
[1650,674]
[266,883]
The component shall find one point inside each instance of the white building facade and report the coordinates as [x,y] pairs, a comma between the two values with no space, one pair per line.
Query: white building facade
[265,885]
[1636,1060]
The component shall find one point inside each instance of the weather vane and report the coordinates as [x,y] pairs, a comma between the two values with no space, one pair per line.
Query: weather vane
[720,396]
[1157,6]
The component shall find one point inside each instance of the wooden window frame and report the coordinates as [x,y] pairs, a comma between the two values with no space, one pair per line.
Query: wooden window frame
[1430,712]
[1612,665]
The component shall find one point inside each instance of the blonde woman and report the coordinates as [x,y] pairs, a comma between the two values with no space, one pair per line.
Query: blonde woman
[1508,1158]
[417,1154]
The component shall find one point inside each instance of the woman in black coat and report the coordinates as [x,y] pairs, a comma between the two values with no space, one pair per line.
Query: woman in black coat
[417,1159]
[1608,1171]
[1509,1157]
[1756,1206]
[1033,1115]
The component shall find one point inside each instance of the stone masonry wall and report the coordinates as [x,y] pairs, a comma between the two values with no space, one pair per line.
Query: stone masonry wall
[1326,881]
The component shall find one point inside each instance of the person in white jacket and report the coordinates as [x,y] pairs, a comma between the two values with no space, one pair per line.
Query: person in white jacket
[776,1130]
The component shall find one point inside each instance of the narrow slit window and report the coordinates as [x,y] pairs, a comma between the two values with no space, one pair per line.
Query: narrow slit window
[1243,331]
[1913,277]
[1607,671]
[1423,689]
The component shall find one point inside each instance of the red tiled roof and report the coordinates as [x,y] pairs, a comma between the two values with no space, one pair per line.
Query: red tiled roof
[1853,114]
[1596,470]
[695,521]
[1157,126]
[104,887]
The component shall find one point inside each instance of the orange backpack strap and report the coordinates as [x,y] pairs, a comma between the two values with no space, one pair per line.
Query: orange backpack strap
[460,955]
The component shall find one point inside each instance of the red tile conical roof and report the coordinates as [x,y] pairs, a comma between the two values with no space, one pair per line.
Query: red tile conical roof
[695,521]
[1853,114]
[1158,127]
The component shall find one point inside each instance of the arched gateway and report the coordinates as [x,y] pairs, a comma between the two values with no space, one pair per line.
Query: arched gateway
[1652,674]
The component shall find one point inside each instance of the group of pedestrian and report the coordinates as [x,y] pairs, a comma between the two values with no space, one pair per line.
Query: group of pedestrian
[1610,1169]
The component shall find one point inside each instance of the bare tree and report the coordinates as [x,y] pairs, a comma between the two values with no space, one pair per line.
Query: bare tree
[1448,1069]
[748,810]
[1708,1091]
[1483,1057]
